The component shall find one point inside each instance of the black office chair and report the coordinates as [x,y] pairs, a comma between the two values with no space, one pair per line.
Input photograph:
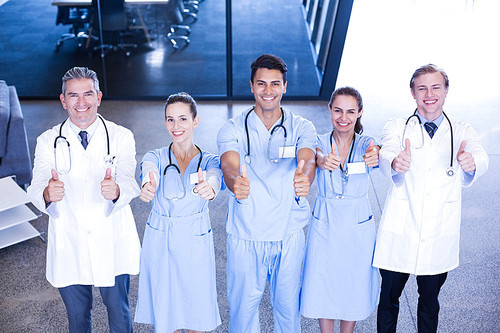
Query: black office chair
[113,17]
[179,28]
[189,11]
[79,19]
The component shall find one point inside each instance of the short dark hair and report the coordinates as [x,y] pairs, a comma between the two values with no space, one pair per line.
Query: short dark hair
[429,68]
[182,97]
[269,61]
[349,91]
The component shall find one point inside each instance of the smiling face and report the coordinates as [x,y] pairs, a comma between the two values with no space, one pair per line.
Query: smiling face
[268,89]
[344,112]
[430,92]
[81,101]
[180,122]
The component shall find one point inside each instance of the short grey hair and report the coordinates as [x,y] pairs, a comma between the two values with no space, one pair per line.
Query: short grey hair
[80,73]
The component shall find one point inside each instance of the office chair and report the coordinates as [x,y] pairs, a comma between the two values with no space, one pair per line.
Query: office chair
[189,11]
[178,29]
[79,19]
[114,23]
[191,5]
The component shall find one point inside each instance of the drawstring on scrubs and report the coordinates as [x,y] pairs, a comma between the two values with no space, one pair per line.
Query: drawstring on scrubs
[272,252]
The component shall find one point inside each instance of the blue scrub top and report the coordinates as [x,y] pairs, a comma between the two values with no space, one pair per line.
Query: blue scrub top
[270,212]
[355,197]
[190,204]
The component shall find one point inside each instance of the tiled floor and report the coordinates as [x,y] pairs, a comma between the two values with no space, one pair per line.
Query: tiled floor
[379,60]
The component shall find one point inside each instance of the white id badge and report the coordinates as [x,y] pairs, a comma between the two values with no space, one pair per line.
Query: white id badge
[287,152]
[356,168]
[193,178]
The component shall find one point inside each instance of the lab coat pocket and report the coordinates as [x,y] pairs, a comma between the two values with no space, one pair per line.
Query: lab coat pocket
[451,215]
[396,215]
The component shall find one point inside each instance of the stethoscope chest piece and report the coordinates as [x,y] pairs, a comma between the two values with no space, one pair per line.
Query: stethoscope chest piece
[109,160]
[450,172]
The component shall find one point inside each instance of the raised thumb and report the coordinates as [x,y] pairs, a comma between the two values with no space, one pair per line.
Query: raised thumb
[462,147]
[334,148]
[244,171]
[200,175]
[152,179]
[300,166]
[407,146]
[55,176]
[108,173]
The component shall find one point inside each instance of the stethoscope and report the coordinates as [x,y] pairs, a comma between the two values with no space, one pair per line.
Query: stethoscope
[449,171]
[349,159]
[172,165]
[280,125]
[108,159]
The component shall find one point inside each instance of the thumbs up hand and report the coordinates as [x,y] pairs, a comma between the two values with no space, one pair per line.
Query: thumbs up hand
[301,181]
[332,160]
[109,188]
[203,188]
[402,162]
[465,158]
[371,155]
[148,191]
[242,184]
[54,191]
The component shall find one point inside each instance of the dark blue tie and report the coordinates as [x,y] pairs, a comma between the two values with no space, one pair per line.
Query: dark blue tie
[83,135]
[430,127]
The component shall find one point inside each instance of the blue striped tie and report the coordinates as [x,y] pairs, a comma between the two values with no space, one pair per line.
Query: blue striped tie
[83,135]
[430,127]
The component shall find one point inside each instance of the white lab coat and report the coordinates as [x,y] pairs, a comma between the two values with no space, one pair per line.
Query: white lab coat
[90,239]
[419,230]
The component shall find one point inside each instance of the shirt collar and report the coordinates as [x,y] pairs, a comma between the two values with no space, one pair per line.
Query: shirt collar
[90,130]
[436,121]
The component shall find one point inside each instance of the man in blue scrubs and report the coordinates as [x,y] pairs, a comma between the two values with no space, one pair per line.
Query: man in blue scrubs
[267,157]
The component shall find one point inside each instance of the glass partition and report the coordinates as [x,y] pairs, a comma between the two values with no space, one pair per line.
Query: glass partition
[148,49]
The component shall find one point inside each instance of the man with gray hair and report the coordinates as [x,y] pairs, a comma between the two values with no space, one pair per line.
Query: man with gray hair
[84,179]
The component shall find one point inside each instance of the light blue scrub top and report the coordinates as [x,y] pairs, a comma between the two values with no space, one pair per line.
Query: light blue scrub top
[355,200]
[270,212]
[185,206]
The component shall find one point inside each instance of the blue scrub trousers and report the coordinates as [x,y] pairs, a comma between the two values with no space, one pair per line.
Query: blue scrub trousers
[249,265]
[78,301]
